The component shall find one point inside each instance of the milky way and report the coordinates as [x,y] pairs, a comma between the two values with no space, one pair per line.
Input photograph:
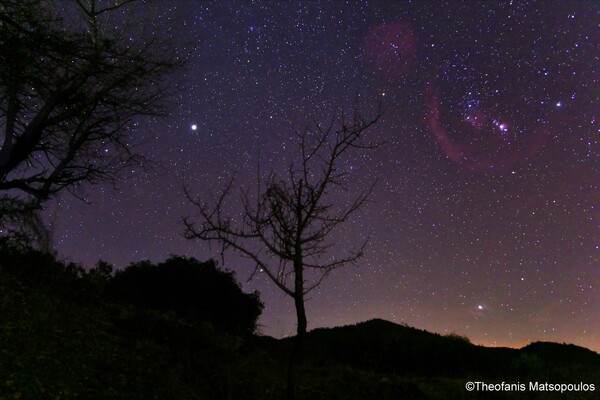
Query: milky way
[485,218]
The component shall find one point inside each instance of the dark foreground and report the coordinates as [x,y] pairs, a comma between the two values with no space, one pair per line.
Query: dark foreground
[62,337]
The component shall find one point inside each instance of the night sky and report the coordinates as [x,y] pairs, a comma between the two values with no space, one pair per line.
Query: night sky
[485,220]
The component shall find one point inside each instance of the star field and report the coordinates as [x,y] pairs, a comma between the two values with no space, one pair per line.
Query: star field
[485,220]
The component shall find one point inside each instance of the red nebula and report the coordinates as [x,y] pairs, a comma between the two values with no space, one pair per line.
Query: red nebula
[389,48]
[478,142]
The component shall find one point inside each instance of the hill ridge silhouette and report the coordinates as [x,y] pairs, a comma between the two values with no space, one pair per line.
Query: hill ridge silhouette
[387,347]
[383,323]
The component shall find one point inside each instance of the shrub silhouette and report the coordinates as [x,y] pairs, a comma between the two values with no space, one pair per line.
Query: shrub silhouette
[42,270]
[192,289]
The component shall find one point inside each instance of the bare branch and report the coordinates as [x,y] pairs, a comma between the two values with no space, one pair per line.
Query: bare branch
[69,97]
[285,229]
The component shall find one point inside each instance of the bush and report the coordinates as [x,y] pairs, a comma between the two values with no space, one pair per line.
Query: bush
[192,289]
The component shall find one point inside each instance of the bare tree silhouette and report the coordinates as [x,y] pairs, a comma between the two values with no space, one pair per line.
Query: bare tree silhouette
[286,228]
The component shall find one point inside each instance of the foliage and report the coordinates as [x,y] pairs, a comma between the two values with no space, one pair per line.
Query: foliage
[40,269]
[63,337]
[22,224]
[192,289]
[460,338]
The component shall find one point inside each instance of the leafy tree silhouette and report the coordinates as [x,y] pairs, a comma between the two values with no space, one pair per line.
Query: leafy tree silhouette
[70,91]
[194,290]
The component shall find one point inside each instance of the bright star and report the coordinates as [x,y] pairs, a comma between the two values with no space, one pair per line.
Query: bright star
[194,127]
[480,307]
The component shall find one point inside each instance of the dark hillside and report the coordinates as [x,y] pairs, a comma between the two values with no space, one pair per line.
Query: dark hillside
[562,353]
[70,333]
[62,336]
[384,347]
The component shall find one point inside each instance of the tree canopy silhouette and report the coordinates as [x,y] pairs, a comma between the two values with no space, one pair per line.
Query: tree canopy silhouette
[22,223]
[193,289]
[70,90]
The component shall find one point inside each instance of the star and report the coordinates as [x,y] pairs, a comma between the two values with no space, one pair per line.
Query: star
[476,137]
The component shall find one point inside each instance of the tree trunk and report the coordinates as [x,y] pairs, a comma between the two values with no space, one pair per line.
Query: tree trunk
[300,330]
